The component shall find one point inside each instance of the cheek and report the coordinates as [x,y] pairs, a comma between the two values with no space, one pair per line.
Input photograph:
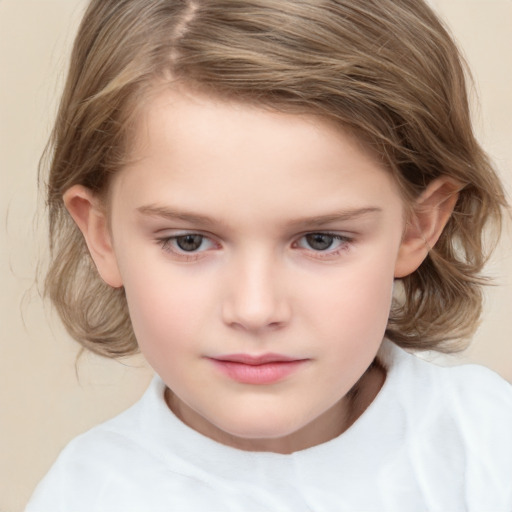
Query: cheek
[361,286]
[166,308]
[354,304]
[371,301]
[355,324]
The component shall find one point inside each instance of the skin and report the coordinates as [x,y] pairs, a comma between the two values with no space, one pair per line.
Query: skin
[253,184]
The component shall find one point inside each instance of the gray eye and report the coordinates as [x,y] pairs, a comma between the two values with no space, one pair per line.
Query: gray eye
[319,241]
[189,243]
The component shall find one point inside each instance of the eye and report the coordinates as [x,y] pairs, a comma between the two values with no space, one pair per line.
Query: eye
[319,241]
[189,243]
[323,242]
[186,243]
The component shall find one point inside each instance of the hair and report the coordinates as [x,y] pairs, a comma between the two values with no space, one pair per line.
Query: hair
[385,70]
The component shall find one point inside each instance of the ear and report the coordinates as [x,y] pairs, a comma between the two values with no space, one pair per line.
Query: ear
[88,214]
[430,214]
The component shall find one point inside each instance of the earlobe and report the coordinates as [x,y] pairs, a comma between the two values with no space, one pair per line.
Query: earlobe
[85,209]
[430,214]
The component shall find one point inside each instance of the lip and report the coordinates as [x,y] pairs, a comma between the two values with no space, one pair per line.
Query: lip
[261,369]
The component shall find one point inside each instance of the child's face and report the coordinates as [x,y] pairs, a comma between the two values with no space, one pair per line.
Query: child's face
[240,233]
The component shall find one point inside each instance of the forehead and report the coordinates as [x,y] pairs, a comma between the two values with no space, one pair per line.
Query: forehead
[203,152]
[195,110]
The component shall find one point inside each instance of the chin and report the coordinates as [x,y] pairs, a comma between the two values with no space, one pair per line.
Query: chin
[266,431]
[261,428]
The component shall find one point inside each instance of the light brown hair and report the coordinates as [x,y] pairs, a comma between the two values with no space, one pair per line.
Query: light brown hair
[386,70]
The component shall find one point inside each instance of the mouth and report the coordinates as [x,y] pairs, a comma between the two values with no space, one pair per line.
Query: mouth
[263,369]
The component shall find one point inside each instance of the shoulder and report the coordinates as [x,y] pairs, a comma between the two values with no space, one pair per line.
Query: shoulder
[457,426]
[454,429]
[466,406]
[477,388]
[479,403]
[467,389]
[110,465]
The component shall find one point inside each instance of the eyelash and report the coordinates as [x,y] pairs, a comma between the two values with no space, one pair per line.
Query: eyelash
[345,243]
[166,243]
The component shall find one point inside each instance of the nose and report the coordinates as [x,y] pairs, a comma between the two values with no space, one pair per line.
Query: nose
[255,296]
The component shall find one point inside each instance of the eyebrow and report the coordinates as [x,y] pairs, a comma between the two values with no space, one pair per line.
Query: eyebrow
[339,216]
[314,221]
[170,214]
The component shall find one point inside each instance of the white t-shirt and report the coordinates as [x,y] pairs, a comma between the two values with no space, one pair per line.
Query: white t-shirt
[434,439]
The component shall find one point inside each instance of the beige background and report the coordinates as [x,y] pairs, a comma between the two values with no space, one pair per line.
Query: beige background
[45,398]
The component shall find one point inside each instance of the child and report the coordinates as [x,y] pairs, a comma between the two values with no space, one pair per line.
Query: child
[271,199]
